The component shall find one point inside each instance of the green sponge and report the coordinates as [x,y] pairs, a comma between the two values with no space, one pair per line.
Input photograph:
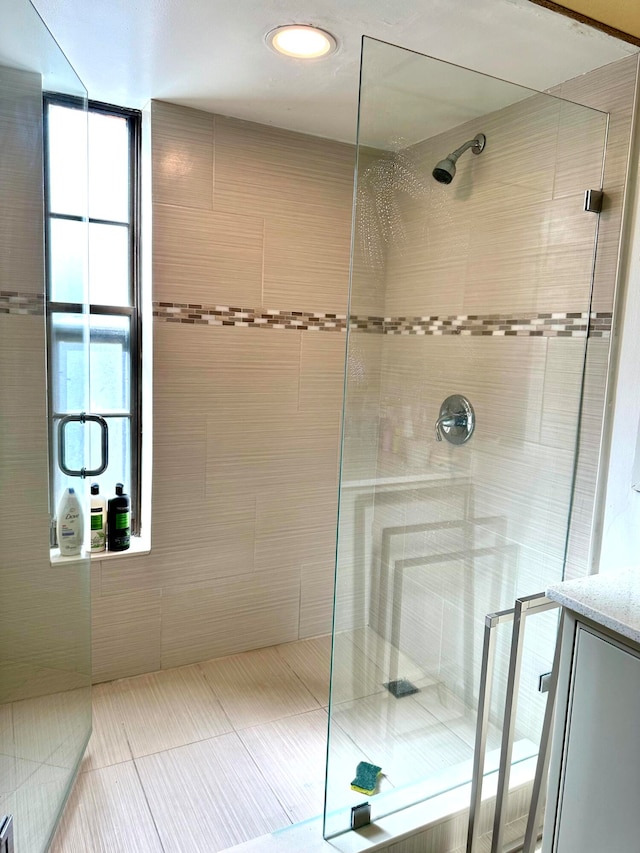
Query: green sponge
[366,778]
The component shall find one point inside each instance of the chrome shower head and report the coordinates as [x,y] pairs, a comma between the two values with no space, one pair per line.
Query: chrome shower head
[444,171]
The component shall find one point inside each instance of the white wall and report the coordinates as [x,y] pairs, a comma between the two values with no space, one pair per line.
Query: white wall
[620,516]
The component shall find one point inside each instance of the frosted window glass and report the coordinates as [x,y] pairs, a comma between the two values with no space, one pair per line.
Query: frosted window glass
[108,167]
[68,362]
[119,468]
[68,257]
[110,364]
[109,264]
[68,167]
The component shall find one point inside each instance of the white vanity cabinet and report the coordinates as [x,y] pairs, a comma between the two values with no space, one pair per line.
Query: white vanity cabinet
[593,803]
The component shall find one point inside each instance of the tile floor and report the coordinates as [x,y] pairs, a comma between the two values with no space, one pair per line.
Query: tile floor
[205,757]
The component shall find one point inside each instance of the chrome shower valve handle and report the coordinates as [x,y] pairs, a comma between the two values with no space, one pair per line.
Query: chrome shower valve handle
[456,421]
[444,421]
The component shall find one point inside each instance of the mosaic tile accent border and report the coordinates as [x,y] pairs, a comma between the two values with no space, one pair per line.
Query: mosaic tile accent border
[224,315]
[13,302]
[556,324]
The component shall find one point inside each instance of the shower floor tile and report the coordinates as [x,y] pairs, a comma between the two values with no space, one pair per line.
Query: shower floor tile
[394,664]
[107,810]
[291,754]
[109,743]
[451,710]
[257,687]
[170,708]
[355,675]
[400,736]
[311,662]
[209,796]
[204,757]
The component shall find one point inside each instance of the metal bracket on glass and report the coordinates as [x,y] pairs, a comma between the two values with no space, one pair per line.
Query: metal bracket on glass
[456,421]
[593,201]
[83,418]
[360,816]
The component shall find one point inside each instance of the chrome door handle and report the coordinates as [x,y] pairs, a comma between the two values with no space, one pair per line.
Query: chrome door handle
[83,418]
[456,421]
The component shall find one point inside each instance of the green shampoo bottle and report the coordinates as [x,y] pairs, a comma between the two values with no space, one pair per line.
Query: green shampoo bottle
[119,521]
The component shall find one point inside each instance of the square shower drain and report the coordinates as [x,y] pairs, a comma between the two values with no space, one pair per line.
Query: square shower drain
[401,687]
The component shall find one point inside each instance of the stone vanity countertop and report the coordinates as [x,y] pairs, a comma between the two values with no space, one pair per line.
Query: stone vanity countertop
[611,599]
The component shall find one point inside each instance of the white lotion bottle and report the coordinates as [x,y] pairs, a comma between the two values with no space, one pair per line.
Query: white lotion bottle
[98,532]
[70,524]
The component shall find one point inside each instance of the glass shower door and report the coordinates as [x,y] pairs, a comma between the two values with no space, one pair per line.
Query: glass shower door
[470,300]
[45,643]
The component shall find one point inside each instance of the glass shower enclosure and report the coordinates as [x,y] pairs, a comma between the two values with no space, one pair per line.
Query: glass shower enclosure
[470,298]
[45,641]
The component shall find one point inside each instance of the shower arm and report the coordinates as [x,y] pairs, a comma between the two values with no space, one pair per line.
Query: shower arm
[472,143]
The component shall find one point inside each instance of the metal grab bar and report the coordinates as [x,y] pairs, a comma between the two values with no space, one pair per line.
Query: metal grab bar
[525,606]
[491,622]
[542,767]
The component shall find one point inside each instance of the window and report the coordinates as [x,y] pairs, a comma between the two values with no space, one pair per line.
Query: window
[114,317]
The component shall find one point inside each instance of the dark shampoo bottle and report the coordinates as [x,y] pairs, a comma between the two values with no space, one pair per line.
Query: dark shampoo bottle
[119,521]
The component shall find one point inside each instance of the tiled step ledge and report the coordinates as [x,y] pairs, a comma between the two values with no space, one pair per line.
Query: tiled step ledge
[443,818]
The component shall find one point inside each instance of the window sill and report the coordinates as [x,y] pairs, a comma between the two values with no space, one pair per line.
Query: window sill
[139,545]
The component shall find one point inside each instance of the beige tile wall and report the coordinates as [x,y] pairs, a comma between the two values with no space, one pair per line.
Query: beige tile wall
[44,609]
[45,624]
[246,421]
[508,235]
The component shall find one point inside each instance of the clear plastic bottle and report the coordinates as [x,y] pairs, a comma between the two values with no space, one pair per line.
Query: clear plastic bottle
[70,524]
[98,532]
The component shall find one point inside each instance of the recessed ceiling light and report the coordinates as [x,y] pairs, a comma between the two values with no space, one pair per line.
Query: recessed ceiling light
[301,41]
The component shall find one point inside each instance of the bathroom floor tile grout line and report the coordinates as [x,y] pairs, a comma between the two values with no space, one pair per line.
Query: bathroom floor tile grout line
[255,763]
[295,674]
[135,767]
[212,690]
[146,799]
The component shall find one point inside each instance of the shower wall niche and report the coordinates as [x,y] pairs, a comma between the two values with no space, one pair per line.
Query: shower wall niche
[482,287]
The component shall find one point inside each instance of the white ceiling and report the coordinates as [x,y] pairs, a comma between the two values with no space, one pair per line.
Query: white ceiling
[210,54]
